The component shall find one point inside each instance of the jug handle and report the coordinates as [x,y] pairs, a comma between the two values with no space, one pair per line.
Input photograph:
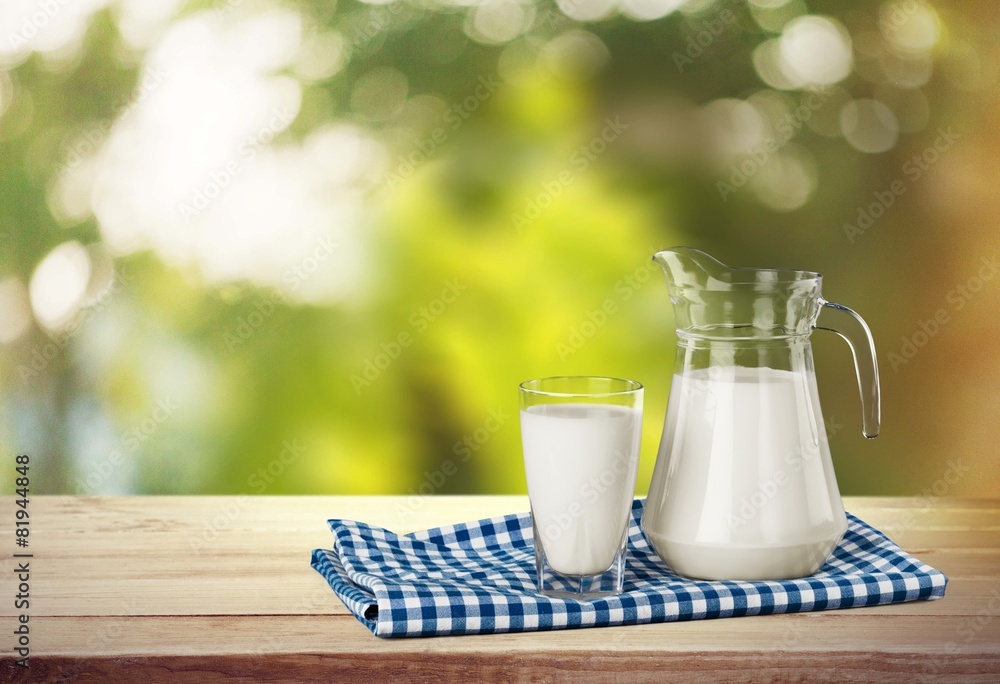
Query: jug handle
[853,329]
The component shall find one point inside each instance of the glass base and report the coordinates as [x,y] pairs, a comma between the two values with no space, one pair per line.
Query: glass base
[552,583]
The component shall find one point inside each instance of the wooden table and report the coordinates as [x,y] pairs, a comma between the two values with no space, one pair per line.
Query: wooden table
[208,589]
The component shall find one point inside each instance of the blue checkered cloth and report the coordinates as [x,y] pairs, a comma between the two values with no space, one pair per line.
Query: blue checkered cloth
[479,577]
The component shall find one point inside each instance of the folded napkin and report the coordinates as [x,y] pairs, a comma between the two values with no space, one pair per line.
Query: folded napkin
[479,577]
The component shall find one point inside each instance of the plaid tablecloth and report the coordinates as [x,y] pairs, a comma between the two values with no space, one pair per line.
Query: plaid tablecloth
[478,577]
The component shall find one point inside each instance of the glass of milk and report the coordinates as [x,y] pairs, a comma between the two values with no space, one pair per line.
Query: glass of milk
[581,454]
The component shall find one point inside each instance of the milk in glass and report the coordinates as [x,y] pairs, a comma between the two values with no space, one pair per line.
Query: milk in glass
[581,463]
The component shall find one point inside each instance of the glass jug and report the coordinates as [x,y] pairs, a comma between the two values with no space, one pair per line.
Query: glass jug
[744,486]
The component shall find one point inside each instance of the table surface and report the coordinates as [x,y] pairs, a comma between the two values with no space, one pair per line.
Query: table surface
[208,589]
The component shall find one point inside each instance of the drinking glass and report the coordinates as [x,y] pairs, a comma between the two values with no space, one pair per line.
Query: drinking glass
[580,436]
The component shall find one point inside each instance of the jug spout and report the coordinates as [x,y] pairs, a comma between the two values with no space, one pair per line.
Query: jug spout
[687,267]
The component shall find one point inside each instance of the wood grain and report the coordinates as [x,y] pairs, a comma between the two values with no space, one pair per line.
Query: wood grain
[212,589]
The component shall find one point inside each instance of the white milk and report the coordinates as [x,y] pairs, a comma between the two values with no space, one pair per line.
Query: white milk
[744,486]
[581,461]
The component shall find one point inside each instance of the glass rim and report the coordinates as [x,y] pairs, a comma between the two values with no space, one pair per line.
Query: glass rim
[631,386]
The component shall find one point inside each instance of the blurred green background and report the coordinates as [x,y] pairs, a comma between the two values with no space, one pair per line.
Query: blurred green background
[313,247]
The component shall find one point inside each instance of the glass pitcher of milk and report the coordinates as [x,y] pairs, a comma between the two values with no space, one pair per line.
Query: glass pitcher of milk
[744,486]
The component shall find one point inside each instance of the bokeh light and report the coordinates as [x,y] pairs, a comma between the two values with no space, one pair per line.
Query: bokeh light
[499,21]
[815,51]
[737,125]
[379,94]
[869,125]
[574,54]
[59,285]
[648,10]
[52,29]
[910,26]
[587,10]
[788,180]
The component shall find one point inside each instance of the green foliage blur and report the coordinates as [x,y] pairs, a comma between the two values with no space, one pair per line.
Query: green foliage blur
[312,248]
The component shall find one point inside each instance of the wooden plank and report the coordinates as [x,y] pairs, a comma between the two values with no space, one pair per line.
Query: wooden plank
[965,564]
[843,631]
[534,667]
[207,521]
[221,513]
[818,647]
[399,513]
[540,666]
